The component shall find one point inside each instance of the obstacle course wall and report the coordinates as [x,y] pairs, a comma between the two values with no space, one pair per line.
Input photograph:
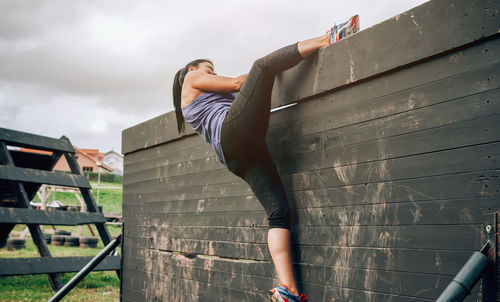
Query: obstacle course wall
[390,160]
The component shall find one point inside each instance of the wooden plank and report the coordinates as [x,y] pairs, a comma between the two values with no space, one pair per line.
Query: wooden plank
[32,160]
[354,279]
[417,166]
[470,133]
[458,110]
[43,177]
[403,260]
[28,140]
[365,158]
[449,237]
[191,166]
[28,216]
[463,74]
[368,174]
[182,289]
[393,44]
[455,186]
[418,188]
[466,211]
[238,275]
[167,152]
[235,219]
[45,265]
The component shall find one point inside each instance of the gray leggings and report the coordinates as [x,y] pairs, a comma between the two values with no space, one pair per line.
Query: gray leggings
[244,130]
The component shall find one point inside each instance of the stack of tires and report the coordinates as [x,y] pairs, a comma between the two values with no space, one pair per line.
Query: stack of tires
[88,242]
[59,237]
[72,241]
[64,238]
[58,240]
[16,243]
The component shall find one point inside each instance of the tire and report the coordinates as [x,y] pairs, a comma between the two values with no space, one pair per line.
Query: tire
[89,240]
[71,241]
[47,237]
[63,232]
[16,241]
[16,244]
[58,240]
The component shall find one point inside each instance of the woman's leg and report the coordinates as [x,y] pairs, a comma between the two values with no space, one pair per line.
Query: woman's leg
[280,248]
[243,143]
[251,108]
[307,47]
[263,178]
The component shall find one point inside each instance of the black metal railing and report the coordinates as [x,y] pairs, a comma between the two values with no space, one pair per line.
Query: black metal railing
[86,269]
[467,277]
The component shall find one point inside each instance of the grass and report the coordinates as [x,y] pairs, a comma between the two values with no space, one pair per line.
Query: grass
[109,199]
[95,287]
[104,183]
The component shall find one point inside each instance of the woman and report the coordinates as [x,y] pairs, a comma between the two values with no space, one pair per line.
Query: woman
[236,128]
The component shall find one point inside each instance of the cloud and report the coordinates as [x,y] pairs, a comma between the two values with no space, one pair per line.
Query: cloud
[89,69]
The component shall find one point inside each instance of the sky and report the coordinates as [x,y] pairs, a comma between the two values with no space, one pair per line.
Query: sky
[90,69]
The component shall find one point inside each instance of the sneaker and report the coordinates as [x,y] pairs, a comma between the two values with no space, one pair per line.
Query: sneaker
[281,294]
[344,29]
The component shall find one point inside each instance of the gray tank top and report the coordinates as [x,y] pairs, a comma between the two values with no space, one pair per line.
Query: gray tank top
[206,114]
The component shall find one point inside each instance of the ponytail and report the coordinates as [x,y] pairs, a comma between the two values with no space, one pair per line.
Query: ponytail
[177,89]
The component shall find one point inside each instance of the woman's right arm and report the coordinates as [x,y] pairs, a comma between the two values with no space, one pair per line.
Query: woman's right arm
[214,83]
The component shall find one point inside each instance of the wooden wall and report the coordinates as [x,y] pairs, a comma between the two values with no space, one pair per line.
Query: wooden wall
[390,160]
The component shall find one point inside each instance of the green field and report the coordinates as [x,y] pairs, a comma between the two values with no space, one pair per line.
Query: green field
[97,286]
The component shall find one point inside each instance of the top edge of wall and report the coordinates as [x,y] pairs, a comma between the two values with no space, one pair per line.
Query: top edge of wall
[425,31]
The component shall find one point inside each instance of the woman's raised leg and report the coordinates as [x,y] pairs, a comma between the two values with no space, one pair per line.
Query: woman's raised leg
[246,125]
[307,47]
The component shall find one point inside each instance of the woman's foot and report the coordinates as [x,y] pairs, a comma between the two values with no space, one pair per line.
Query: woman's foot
[344,29]
[282,294]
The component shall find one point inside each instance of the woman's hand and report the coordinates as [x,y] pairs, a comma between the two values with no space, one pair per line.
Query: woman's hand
[241,79]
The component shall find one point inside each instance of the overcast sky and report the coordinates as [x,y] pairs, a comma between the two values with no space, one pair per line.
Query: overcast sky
[89,69]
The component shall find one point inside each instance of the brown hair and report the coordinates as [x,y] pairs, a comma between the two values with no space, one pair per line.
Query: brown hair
[177,89]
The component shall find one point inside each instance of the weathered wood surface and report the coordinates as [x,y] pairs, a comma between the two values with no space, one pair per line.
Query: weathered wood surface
[30,266]
[43,177]
[29,216]
[390,162]
[28,140]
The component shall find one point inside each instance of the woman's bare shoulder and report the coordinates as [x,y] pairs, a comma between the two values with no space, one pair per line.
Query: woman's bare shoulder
[189,94]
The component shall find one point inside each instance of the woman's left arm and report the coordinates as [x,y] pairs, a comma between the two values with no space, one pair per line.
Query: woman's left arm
[214,83]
